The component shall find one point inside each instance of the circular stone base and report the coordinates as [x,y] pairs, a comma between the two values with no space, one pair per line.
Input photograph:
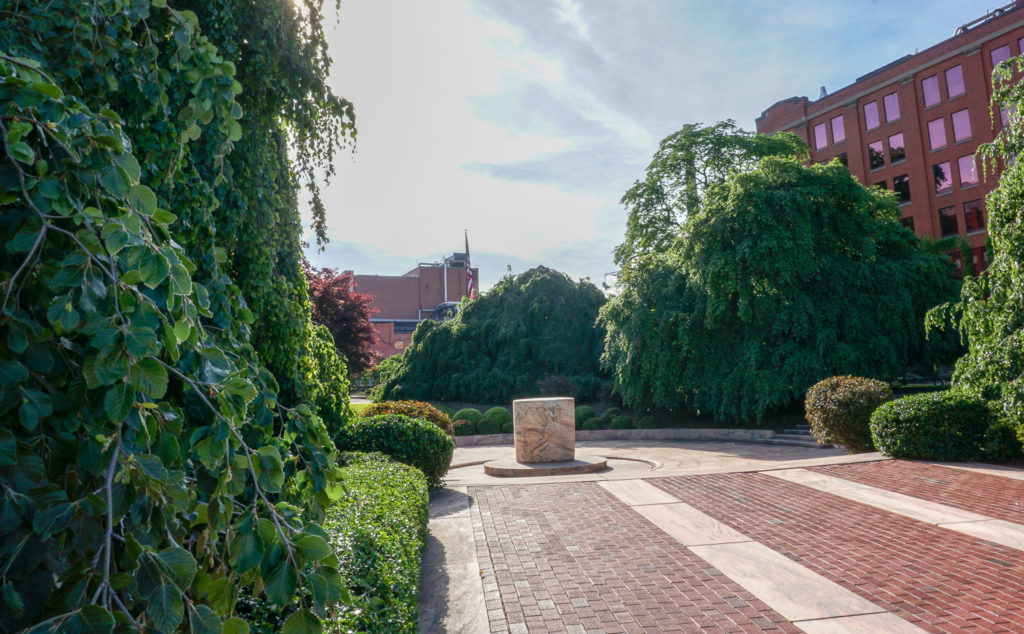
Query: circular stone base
[509,468]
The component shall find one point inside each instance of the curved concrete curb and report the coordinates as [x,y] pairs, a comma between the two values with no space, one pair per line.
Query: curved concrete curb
[744,435]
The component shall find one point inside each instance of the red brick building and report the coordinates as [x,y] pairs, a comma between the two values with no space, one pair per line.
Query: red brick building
[429,291]
[913,126]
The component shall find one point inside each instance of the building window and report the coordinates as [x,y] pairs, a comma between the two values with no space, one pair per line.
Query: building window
[871,120]
[955,81]
[876,159]
[897,150]
[892,107]
[901,185]
[930,90]
[844,160]
[961,126]
[943,178]
[908,222]
[882,185]
[979,257]
[974,218]
[1000,54]
[820,136]
[968,171]
[947,222]
[936,134]
[838,129]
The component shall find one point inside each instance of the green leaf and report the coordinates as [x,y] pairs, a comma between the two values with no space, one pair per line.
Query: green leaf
[181,278]
[129,165]
[154,269]
[149,376]
[12,372]
[180,564]
[8,449]
[312,547]
[22,152]
[118,401]
[47,89]
[246,552]
[182,330]
[203,620]
[140,341]
[91,619]
[233,625]
[34,405]
[115,180]
[280,584]
[165,609]
[142,199]
[221,595]
[12,599]
[302,622]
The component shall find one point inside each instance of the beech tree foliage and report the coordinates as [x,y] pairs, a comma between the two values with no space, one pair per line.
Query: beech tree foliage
[990,313]
[345,313]
[531,334]
[785,275]
[153,468]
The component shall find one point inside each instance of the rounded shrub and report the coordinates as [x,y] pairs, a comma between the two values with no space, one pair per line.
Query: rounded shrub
[500,415]
[647,422]
[468,414]
[611,412]
[584,413]
[412,409]
[464,427]
[1001,442]
[411,441]
[622,422]
[934,426]
[839,410]
[593,424]
[488,427]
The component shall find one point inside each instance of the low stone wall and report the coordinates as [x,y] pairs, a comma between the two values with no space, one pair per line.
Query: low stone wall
[747,435]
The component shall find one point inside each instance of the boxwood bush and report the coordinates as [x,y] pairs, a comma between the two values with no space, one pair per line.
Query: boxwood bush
[412,409]
[622,422]
[839,410]
[583,414]
[648,422]
[934,426]
[488,427]
[499,414]
[377,532]
[468,413]
[464,427]
[411,441]
[593,424]
[1002,443]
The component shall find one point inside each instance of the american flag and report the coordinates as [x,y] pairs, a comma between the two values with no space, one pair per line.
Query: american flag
[470,291]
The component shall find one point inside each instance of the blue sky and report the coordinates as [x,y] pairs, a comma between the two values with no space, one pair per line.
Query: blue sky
[524,121]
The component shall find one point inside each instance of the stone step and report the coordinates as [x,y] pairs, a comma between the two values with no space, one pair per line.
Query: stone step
[799,431]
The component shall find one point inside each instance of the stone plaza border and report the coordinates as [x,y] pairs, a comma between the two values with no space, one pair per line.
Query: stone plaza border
[665,433]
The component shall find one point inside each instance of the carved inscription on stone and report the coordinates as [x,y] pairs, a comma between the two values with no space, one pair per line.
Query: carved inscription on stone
[544,429]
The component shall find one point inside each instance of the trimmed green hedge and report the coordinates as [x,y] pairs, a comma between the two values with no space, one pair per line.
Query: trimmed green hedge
[378,531]
[584,413]
[622,422]
[411,441]
[498,414]
[464,427]
[839,410]
[468,413]
[934,426]
[412,409]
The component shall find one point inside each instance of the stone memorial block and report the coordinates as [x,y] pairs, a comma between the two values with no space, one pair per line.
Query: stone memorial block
[544,429]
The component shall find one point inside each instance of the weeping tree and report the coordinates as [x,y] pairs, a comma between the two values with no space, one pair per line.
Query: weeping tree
[154,466]
[531,334]
[785,275]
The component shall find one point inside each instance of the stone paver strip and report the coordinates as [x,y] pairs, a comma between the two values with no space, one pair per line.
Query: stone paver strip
[451,595]
[997,531]
[884,623]
[939,580]
[992,492]
[791,589]
[571,557]
[689,526]
[637,492]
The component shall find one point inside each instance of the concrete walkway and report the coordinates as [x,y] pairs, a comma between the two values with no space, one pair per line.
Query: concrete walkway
[719,536]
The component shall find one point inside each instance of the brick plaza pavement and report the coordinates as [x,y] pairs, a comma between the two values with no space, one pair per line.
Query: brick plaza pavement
[573,557]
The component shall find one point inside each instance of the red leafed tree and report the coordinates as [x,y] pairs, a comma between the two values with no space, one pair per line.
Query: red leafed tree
[346,313]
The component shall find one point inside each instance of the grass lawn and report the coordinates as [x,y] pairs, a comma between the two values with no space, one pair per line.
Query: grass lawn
[359,407]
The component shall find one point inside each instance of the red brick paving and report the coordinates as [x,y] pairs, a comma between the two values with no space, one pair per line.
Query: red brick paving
[940,580]
[994,496]
[573,558]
